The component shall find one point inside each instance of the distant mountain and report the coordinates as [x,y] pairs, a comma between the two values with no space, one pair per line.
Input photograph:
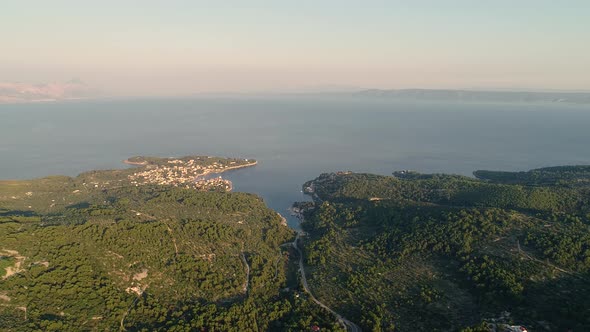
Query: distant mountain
[26,92]
[479,96]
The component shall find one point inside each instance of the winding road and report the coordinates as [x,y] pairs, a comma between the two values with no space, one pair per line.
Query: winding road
[348,325]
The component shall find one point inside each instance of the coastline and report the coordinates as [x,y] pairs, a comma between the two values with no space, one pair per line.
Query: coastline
[220,171]
[283,220]
[135,163]
[145,163]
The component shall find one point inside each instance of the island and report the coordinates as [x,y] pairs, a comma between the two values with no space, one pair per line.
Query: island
[505,251]
[145,249]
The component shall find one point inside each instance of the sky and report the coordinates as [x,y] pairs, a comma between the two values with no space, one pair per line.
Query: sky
[177,47]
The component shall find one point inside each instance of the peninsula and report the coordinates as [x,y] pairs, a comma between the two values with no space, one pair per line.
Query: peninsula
[189,171]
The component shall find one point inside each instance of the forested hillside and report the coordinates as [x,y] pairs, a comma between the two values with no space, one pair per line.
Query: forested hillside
[95,253]
[442,253]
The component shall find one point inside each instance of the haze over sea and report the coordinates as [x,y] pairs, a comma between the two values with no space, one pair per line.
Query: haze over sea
[294,138]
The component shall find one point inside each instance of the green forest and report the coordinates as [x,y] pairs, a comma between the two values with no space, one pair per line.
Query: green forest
[436,252]
[407,252]
[93,253]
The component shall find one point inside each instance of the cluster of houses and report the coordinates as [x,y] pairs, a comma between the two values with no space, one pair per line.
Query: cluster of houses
[182,173]
[214,184]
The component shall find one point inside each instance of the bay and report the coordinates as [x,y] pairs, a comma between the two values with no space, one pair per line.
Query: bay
[294,138]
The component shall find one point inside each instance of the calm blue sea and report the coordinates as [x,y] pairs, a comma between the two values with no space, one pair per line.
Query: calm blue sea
[293,138]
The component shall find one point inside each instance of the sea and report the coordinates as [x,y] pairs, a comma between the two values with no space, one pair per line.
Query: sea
[294,138]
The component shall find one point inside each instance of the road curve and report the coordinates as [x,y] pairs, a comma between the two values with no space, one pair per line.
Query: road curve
[348,325]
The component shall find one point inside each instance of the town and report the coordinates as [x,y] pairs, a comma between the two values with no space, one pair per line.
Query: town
[189,173]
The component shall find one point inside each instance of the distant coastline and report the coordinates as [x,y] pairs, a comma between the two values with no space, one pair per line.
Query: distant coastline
[490,96]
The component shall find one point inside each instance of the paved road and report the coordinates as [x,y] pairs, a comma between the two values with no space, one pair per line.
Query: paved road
[348,325]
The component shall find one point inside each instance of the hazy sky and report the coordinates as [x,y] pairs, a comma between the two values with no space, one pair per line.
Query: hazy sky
[178,47]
